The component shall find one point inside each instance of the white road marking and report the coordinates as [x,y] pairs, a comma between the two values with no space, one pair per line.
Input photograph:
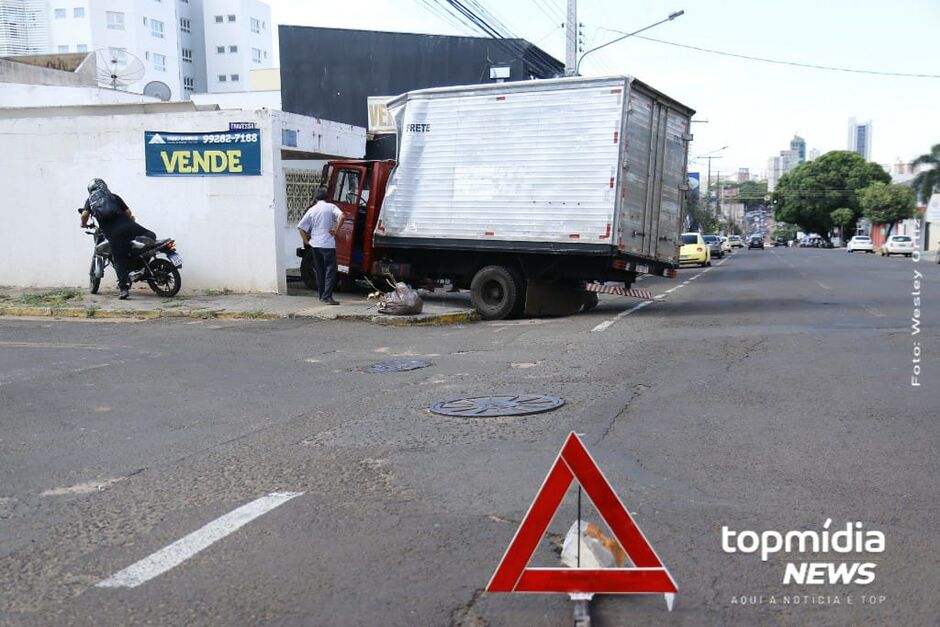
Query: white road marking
[603,326]
[823,285]
[184,548]
[875,312]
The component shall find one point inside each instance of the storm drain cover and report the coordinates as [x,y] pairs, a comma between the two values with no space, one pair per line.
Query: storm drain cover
[397,365]
[505,405]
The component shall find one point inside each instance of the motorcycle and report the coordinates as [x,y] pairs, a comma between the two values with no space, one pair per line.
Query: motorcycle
[160,272]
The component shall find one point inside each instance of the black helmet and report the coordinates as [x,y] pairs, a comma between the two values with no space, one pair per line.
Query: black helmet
[94,184]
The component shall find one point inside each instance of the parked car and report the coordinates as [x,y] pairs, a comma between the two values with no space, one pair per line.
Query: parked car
[860,243]
[714,243]
[736,241]
[898,245]
[755,241]
[780,241]
[725,244]
[694,250]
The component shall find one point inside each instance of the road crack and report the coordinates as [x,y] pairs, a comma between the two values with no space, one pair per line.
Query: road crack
[635,393]
[466,615]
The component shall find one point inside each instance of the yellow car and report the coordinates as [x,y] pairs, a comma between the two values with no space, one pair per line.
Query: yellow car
[694,250]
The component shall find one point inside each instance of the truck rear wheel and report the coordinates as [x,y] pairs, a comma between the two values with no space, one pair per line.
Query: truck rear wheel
[497,292]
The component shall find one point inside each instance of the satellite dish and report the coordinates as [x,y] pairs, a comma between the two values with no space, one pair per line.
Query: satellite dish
[157,89]
[116,67]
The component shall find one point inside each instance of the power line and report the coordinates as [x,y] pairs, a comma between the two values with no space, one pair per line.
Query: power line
[778,62]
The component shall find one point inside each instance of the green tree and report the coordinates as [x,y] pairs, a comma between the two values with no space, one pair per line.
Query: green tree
[886,204]
[751,194]
[809,194]
[928,181]
[842,216]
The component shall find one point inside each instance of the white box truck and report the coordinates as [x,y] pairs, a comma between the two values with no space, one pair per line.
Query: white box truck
[527,193]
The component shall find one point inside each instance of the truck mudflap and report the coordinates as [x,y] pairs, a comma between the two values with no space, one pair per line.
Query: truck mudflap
[599,288]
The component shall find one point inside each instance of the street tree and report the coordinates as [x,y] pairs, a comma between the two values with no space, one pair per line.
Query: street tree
[928,181]
[752,193]
[886,204]
[809,194]
[842,216]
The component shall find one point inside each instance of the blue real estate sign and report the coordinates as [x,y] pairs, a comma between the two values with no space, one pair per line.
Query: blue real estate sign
[203,154]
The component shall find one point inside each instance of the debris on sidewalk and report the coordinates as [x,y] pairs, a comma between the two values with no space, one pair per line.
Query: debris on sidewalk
[402,301]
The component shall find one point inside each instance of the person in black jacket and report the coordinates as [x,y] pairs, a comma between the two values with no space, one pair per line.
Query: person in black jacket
[118,225]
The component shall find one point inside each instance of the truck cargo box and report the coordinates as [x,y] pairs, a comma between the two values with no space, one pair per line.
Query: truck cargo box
[572,165]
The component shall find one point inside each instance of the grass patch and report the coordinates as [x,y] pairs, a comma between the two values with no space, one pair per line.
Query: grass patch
[254,313]
[170,304]
[90,311]
[4,297]
[52,298]
[222,292]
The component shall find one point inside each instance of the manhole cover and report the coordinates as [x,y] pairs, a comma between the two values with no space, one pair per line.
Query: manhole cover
[397,365]
[505,405]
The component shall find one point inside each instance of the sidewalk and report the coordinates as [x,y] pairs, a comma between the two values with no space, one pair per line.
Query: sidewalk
[439,307]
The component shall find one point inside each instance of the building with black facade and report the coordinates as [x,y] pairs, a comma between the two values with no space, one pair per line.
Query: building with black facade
[330,72]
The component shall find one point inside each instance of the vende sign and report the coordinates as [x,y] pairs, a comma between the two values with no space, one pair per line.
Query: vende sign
[203,154]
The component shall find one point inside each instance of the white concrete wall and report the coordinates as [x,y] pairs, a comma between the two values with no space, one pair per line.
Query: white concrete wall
[226,227]
[241,99]
[22,95]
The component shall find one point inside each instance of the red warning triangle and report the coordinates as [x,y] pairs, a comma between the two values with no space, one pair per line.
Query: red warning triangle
[574,462]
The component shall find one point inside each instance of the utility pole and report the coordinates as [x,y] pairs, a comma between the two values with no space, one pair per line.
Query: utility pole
[571,39]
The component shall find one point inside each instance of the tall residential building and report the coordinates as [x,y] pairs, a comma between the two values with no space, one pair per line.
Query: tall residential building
[778,166]
[860,138]
[812,154]
[190,46]
[238,40]
[23,27]
[799,145]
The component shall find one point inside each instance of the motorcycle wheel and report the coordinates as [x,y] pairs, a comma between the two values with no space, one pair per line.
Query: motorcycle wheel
[166,279]
[94,281]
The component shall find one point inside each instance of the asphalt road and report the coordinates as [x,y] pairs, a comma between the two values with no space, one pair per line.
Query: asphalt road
[770,392]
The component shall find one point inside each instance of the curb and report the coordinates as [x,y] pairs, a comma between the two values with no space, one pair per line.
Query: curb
[221,314]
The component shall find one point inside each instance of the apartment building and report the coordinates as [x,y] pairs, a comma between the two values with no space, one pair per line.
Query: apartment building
[190,46]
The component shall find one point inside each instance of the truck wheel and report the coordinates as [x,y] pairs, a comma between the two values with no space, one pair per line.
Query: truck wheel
[497,292]
[590,301]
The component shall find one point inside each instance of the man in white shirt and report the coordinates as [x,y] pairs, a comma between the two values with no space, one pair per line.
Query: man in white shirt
[318,230]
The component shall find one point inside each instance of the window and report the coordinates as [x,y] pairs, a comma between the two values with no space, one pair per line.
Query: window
[234,78]
[188,83]
[231,18]
[63,49]
[222,78]
[288,137]
[159,62]
[185,25]
[220,49]
[156,28]
[265,54]
[187,55]
[255,25]
[347,188]
[233,48]
[145,20]
[218,19]
[78,12]
[256,55]
[147,55]
[59,14]
[115,20]
[81,48]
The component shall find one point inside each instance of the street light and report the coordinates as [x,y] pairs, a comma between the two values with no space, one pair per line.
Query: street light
[710,155]
[671,17]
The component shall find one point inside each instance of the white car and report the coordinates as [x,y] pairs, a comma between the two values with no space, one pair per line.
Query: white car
[898,245]
[725,244]
[736,241]
[860,242]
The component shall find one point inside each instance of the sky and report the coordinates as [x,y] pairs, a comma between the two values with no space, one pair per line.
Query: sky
[754,108]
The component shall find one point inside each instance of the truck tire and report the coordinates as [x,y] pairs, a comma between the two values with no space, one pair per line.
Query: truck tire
[589,301]
[497,292]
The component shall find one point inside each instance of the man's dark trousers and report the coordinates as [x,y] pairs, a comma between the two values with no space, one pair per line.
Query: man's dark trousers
[324,266]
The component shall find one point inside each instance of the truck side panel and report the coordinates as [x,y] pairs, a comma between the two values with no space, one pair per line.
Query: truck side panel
[533,162]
